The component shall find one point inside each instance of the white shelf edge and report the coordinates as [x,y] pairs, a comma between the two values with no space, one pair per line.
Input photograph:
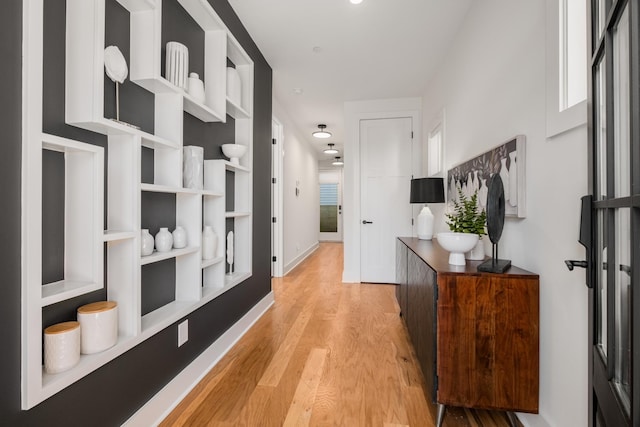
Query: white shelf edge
[153,188]
[161,256]
[110,127]
[115,235]
[138,6]
[208,193]
[53,383]
[64,290]
[160,85]
[209,262]
[236,111]
[232,166]
[204,15]
[201,111]
[236,214]
[209,293]
[231,280]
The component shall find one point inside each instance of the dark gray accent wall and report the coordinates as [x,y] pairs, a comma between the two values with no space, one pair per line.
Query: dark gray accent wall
[111,394]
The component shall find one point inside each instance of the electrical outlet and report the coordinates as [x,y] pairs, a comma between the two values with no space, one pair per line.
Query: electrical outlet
[183,332]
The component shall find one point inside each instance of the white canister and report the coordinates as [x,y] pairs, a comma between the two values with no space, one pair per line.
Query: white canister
[99,323]
[179,238]
[209,243]
[193,167]
[61,347]
[164,240]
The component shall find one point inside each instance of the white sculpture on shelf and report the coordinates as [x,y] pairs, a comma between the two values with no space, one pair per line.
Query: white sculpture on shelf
[116,68]
[230,251]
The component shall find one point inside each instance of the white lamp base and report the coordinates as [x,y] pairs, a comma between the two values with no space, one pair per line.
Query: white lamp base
[425,224]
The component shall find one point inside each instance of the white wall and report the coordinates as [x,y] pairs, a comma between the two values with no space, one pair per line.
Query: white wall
[301,216]
[492,87]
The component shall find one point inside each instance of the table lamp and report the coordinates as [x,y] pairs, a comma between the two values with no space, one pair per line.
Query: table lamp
[426,190]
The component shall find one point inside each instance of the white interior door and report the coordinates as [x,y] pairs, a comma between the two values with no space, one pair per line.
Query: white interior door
[386,147]
[330,182]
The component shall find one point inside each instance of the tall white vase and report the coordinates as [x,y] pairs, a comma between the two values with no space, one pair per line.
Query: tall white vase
[209,243]
[193,167]
[177,64]
[513,180]
[482,194]
[504,175]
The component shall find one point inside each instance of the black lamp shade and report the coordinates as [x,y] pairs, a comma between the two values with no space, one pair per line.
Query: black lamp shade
[427,190]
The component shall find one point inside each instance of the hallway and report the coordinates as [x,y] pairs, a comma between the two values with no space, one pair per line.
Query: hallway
[325,354]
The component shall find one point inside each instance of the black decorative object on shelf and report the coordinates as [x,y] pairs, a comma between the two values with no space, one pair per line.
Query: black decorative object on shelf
[495,224]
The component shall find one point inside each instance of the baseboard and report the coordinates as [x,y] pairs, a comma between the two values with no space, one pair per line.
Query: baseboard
[297,260]
[161,405]
[532,420]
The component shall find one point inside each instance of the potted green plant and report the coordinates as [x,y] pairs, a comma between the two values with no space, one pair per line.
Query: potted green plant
[467,217]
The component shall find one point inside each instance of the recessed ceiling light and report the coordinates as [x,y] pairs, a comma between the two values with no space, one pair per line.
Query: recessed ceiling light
[355,1]
[322,133]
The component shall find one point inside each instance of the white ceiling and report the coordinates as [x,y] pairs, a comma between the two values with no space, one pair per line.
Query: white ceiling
[335,51]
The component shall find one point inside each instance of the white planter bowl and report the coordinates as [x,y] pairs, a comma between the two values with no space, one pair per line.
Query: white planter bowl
[457,244]
[234,152]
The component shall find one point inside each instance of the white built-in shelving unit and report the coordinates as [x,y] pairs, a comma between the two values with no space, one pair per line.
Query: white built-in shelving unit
[197,281]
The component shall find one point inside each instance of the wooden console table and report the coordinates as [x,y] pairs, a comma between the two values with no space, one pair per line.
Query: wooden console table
[475,334]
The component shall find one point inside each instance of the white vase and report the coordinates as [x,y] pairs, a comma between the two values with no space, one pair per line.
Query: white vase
[504,175]
[193,167]
[146,242]
[482,194]
[230,251]
[513,180]
[196,87]
[164,240]
[177,64]
[234,86]
[477,253]
[209,243]
[179,238]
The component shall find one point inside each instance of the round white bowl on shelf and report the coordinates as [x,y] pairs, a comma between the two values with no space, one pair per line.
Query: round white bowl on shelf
[234,152]
[457,244]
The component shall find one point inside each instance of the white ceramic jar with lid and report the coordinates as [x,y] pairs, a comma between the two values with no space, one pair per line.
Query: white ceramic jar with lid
[61,347]
[99,322]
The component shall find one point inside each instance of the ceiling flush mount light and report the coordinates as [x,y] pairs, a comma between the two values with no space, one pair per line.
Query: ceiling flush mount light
[338,161]
[321,133]
[331,150]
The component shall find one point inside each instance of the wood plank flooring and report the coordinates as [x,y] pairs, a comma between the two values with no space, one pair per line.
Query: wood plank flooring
[325,354]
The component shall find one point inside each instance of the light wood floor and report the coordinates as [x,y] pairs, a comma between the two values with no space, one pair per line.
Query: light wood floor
[325,354]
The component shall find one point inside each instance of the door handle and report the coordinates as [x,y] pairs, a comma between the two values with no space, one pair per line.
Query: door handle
[571,264]
[364,221]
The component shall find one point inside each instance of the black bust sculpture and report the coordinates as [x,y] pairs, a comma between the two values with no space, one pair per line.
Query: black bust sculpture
[495,224]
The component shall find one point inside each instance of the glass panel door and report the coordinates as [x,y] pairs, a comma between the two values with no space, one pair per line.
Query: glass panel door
[614,138]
